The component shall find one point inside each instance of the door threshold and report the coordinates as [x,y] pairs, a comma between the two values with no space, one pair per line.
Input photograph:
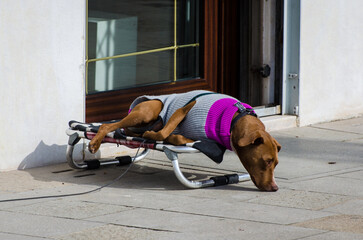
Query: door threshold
[263,111]
[279,122]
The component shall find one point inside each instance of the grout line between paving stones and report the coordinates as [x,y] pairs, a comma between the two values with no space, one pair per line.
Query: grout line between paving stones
[26,235]
[315,210]
[325,174]
[343,177]
[306,209]
[352,139]
[335,130]
[144,228]
[335,194]
[313,235]
[242,219]
[216,216]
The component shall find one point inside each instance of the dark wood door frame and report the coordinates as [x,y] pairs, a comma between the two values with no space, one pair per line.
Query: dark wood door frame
[229,47]
[253,57]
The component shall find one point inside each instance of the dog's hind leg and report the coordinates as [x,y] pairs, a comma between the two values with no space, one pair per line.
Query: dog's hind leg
[176,139]
[170,126]
[143,113]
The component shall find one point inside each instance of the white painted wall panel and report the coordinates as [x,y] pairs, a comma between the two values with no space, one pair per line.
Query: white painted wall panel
[331,73]
[41,79]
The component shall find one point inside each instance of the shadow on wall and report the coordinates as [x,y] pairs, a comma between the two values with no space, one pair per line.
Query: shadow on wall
[48,154]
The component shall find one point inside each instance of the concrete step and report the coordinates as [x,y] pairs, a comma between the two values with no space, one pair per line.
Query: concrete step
[279,122]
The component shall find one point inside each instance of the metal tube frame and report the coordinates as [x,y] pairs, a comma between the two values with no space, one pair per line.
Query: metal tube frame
[74,164]
[170,151]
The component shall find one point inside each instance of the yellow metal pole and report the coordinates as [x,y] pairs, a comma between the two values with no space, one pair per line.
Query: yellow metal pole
[132,54]
[144,52]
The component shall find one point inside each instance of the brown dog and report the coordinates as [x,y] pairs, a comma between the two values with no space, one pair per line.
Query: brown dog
[201,114]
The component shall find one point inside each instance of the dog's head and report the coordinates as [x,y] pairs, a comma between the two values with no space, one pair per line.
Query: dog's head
[258,150]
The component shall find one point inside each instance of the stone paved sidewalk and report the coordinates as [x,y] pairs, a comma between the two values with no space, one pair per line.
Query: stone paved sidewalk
[320,176]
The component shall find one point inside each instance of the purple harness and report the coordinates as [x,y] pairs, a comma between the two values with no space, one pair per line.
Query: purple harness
[219,123]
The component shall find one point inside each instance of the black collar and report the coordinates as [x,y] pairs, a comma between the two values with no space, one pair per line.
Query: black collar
[242,112]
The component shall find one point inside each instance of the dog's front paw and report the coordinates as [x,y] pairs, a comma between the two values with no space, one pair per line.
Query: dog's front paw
[157,136]
[93,146]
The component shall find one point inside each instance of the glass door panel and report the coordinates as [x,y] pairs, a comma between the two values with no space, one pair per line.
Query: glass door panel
[121,73]
[141,42]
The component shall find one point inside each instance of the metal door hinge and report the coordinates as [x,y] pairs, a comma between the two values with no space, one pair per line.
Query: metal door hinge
[293,75]
[296,110]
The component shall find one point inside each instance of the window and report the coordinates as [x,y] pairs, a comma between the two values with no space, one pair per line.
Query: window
[169,57]
[141,43]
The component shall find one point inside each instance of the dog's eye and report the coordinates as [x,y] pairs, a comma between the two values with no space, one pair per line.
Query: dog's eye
[269,162]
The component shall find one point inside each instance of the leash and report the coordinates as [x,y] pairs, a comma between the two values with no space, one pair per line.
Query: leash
[80,193]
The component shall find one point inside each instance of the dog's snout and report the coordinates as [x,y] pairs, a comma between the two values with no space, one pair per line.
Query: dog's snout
[274,188]
[270,188]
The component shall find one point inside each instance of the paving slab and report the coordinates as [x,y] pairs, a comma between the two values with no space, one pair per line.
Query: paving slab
[351,207]
[64,174]
[333,185]
[9,236]
[355,174]
[335,236]
[192,226]
[111,231]
[334,173]
[300,199]
[19,181]
[316,133]
[353,125]
[237,192]
[299,168]
[308,152]
[338,223]
[357,141]
[321,150]
[40,226]
[36,193]
[252,212]
[148,198]
[70,208]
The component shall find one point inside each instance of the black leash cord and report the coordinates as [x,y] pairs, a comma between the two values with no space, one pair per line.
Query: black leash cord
[76,194]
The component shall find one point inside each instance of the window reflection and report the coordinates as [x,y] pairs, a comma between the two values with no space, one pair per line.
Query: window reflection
[141,42]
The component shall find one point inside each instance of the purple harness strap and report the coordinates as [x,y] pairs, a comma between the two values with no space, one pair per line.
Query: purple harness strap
[219,118]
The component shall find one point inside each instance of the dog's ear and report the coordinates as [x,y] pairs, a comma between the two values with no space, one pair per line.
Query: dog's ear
[277,145]
[255,138]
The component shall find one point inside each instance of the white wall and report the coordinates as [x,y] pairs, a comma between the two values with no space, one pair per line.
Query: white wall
[331,53]
[41,79]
